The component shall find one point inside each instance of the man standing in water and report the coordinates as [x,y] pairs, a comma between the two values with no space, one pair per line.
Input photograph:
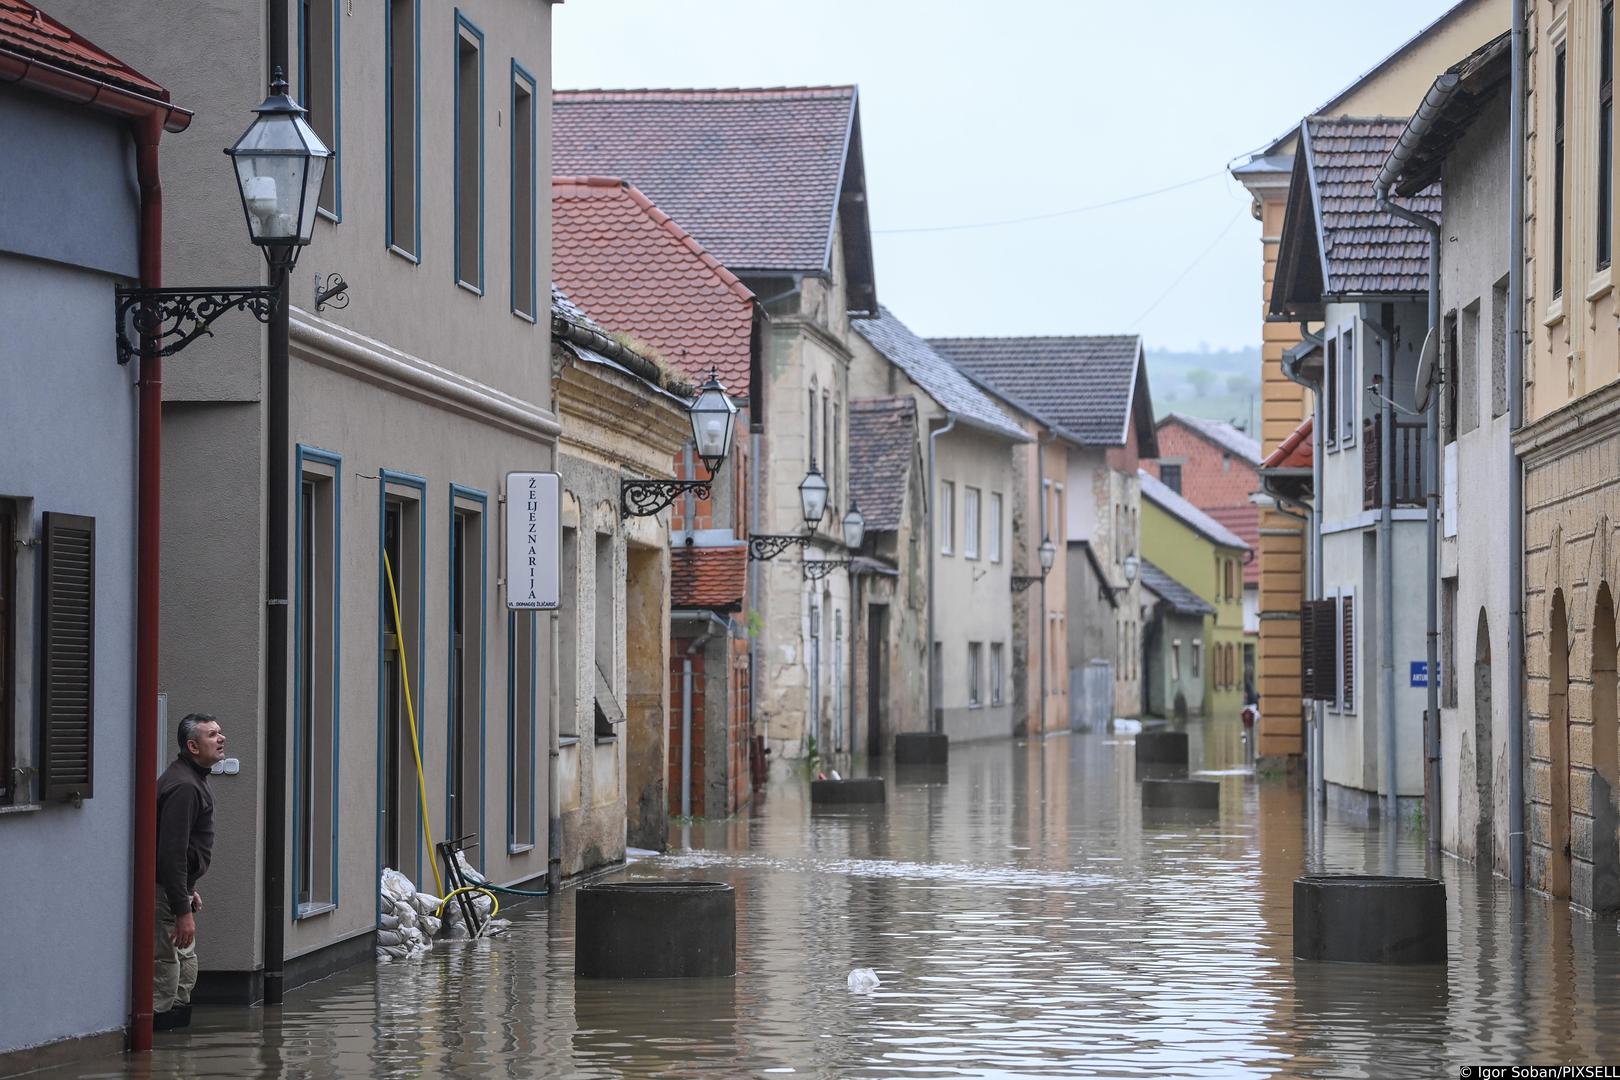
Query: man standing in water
[185,845]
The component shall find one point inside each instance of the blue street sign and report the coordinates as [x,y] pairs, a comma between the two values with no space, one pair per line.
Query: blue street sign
[1420,675]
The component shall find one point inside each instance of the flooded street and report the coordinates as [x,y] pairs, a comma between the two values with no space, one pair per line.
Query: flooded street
[1024,921]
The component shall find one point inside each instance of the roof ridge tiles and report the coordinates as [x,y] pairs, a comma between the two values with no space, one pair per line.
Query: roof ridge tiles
[685,93]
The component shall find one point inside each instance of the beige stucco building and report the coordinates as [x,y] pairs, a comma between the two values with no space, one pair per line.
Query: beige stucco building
[1569,446]
[408,407]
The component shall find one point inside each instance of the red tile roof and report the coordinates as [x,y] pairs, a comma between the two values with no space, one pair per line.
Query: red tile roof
[715,577]
[1245,521]
[1293,452]
[28,32]
[761,177]
[635,269]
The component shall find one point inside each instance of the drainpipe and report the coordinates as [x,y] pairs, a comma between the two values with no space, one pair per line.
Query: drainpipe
[686,708]
[854,651]
[553,791]
[1515,381]
[1433,102]
[755,588]
[1386,566]
[936,723]
[1045,533]
[149,506]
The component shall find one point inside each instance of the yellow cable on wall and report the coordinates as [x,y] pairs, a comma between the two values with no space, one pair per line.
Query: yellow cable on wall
[410,713]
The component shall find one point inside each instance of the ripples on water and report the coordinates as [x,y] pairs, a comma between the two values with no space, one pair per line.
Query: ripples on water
[1024,921]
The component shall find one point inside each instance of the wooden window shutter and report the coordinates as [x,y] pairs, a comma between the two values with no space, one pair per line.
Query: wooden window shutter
[1349,652]
[1307,649]
[67,658]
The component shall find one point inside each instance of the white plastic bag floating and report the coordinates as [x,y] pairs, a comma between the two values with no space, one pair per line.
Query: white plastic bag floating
[863,981]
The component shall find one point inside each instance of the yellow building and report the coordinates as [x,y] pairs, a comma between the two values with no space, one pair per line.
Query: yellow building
[1183,548]
[1392,88]
[1569,445]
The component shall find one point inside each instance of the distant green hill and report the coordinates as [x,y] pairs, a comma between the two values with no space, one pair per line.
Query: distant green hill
[1217,384]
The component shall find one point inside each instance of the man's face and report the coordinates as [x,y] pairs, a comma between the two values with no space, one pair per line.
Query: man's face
[207,745]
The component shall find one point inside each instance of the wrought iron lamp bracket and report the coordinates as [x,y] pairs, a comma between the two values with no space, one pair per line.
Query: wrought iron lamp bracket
[177,317]
[762,547]
[644,498]
[331,291]
[816,569]
[1020,582]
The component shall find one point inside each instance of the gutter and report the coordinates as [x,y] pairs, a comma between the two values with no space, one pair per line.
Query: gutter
[563,329]
[95,93]
[935,721]
[1434,103]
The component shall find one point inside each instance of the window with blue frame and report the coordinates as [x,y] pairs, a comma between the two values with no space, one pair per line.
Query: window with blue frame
[524,290]
[319,65]
[404,127]
[469,154]
[315,682]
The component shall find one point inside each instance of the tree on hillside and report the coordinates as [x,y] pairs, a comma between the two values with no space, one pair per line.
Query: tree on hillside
[1240,384]
[1201,380]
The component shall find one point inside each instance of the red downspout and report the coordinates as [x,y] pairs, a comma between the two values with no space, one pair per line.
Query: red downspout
[148,130]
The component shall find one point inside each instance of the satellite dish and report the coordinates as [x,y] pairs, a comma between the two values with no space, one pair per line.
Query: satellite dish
[1425,370]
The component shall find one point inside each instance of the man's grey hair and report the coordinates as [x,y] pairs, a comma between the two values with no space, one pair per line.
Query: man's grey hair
[188,728]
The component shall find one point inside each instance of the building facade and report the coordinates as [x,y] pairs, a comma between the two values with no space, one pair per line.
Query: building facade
[407,408]
[797,148]
[1393,87]
[73,115]
[1093,391]
[967,442]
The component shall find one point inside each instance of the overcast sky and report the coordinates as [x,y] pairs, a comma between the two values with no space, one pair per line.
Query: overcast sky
[983,112]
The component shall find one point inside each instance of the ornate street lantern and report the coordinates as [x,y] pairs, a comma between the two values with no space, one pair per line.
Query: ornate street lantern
[280,165]
[714,420]
[813,496]
[854,527]
[1048,552]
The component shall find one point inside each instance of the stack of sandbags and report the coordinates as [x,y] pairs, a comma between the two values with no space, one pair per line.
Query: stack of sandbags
[407,926]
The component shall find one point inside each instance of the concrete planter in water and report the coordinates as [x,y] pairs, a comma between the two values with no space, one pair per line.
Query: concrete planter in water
[853,791]
[655,930]
[921,748]
[1370,919]
[1161,749]
[1198,796]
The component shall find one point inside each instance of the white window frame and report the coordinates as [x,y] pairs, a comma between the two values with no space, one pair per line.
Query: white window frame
[947,517]
[1198,658]
[993,534]
[975,652]
[970,522]
[1175,659]
[997,673]
[1349,384]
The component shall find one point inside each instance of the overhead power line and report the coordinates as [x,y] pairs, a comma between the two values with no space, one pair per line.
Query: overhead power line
[1054,213]
[1189,269]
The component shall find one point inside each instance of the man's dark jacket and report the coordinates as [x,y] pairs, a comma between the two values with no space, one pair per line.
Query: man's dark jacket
[185,831]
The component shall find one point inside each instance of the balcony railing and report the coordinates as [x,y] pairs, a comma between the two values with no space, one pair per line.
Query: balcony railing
[1408,478]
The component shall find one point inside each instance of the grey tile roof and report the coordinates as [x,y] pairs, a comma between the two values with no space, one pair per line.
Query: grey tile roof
[936,375]
[1367,251]
[1221,434]
[882,447]
[1083,385]
[1155,489]
[759,176]
[1180,598]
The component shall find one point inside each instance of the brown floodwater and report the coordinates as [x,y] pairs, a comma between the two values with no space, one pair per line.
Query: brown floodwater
[1024,920]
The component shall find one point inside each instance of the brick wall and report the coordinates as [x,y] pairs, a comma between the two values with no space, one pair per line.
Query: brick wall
[1210,476]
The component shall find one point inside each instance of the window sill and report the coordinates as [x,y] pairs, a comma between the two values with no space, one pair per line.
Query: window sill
[1600,285]
[395,249]
[1555,313]
[519,849]
[470,287]
[21,808]
[309,911]
[567,740]
[603,740]
[321,211]
[525,316]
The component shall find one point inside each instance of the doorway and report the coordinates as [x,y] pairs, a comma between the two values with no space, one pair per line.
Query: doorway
[398,797]
[877,680]
[1605,761]
[1558,855]
[464,771]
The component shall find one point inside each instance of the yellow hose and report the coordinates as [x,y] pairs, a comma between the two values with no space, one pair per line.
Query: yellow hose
[410,712]
[439,911]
